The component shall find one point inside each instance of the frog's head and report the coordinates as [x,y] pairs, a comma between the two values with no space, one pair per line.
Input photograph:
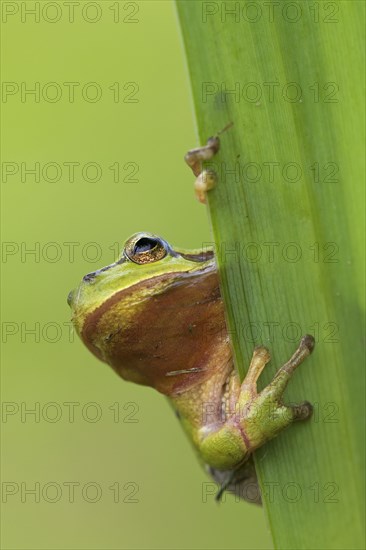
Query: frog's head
[124,311]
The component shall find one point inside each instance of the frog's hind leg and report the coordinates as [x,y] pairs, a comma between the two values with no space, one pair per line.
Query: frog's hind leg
[263,414]
[257,416]
[271,396]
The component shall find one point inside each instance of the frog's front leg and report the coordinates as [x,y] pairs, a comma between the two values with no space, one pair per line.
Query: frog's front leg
[258,417]
[205,179]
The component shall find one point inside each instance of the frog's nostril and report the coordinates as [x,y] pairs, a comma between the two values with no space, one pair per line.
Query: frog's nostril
[89,276]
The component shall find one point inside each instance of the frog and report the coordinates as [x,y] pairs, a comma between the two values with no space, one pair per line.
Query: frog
[157,317]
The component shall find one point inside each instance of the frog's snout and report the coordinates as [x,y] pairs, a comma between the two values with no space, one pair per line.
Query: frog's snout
[70,297]
[74,294]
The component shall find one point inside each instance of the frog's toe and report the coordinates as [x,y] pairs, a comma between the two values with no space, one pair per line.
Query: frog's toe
[205,181]
[260,358]
[302,411]
[307,342]
[283,375]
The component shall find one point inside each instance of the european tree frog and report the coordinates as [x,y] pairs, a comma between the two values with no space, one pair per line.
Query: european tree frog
[157,318]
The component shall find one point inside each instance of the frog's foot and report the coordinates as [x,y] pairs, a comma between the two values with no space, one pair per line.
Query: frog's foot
[205,179]
[257,417]
[263,415]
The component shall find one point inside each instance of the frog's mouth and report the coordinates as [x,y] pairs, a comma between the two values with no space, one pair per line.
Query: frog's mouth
[90,276]
[73,296]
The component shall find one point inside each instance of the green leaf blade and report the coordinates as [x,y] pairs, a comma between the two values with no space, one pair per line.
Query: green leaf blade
[288,227]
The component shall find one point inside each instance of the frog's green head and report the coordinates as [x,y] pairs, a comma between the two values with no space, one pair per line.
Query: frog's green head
[122,311]
[146,261]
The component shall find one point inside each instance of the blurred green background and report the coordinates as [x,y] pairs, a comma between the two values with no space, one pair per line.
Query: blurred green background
[110,90]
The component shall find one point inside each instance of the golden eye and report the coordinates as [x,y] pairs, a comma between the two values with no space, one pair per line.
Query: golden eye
[145,248]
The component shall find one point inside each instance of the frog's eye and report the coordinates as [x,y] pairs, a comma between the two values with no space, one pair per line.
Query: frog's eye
[145,249]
